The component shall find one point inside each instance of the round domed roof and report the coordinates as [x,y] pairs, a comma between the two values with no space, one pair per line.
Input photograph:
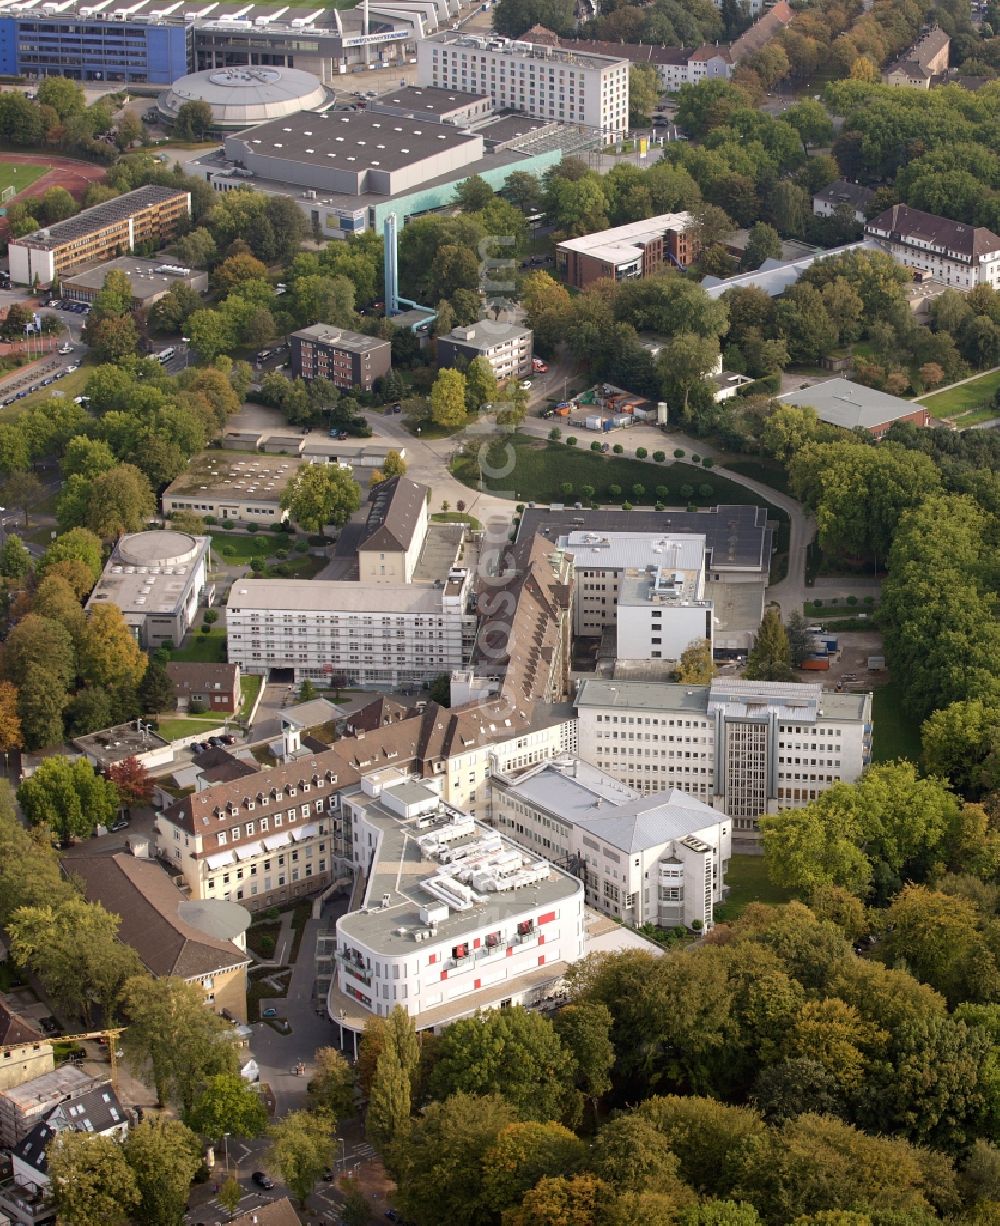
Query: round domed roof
[242,97]
[157,548]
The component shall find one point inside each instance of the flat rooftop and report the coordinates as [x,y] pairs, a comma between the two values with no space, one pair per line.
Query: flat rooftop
[235,474]
[650,587]
[624,242]
[99,216]
[342,338]
[353,140]
[332,595]
[402,865]
[150,572]
[737,536]
[618,550]
[113,745]
[427,99]
[486,333]
[148,281]
[524,51]
[736,697]
[67,1081]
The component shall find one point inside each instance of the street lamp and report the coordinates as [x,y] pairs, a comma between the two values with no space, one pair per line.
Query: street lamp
[343,1153]
[225,1147]
[187,350]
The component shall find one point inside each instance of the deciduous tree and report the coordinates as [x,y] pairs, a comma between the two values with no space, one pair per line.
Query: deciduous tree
[332,1085]
[321,494]
[92,1183]
[302,1149]
[228,1104]
[388,1101]
[524,1153]
[448,399]
[68,797]
[109,655]
[770,656]
[164,1157]
[696,667]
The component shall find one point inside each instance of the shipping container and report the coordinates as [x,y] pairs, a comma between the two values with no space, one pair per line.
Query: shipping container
[816,664]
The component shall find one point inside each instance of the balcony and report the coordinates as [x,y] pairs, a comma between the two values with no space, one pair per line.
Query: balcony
[26,1203]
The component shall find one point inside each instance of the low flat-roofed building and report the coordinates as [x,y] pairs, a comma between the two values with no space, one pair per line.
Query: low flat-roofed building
[109,746]
[149,215]
[151,280]
[638,249]
[454,916]
[507,347]
[374,634]
[435,105]
[232,485]
[353,152]
[26,1054]
[658,858]
[747,747]
[156,579]
[839,402]
[348,359]
[201,941]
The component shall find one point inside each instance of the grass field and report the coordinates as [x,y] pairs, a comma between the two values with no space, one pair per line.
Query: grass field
[970,398]
[21,176]
[895,734]
[762,469]
[246,546]
[457,517]
[174,729]
[204,648]
[748,882]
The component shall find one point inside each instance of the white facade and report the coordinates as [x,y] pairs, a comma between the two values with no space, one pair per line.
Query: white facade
[748,747]
[454,917]
[376,635]
[957,255]
[507,347]
[546,82]
[658,859]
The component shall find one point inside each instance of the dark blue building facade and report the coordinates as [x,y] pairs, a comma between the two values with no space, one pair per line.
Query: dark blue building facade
[66,45]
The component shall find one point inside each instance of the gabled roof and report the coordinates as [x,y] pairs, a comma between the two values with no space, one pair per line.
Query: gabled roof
[904,224]
[276,1213]
[762,31]
[96,1111]
[711,51]
[14,1029]
[841,191]
[192,675]
[394,515]
[150,907]
[635,53]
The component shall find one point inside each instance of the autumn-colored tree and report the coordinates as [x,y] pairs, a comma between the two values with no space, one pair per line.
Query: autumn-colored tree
[10,721]
[109,654]
[132,780]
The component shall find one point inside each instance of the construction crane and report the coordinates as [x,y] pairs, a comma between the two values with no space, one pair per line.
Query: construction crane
[111,1035]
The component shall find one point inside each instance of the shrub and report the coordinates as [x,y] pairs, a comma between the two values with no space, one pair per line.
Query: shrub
[257,565]
[678,453]
[555,434]
[595,446]
[196,708]
[705,490]
[614,492]
[869,600]
[227,525]
[206,629]
[818,604]
[695,458]
[659,456]
[281,553]
[852,600]
[210,519]
[210,617]
[253,527]
[626,506]
[460,505]
[277,526]
[687,491]
[618,449]
[301,546]
[571,441]
[707,462]
[641,453]
[519,509]
[661,506]
[662,493]
[266,944]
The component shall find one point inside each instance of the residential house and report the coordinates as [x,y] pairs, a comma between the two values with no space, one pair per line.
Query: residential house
[202,687]
[26,1053]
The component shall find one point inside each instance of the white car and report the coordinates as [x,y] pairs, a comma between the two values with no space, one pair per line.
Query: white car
[70,369]
[525,385]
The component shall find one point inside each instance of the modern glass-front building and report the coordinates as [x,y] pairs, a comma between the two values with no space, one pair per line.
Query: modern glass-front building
[68,45]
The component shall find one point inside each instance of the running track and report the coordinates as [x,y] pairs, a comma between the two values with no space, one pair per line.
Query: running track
[75,176]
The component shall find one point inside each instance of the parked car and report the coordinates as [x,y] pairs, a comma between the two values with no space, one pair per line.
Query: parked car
[228,739]
[525,385]
[197,747]
[262,1180]
[121,823]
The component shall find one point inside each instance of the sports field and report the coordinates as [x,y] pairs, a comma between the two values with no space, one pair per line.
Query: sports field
[20,176]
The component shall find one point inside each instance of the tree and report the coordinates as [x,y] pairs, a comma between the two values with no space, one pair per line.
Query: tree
[211,332]
[321,494]
[193,120]
[510,1052]
[119,500]
[301,1149]
[37,640]
[582,1200]
[22,489]
[41,702]
[448,399]
[15,561]
[354,1211]
[236,270]
[332,1085]
[11,736]
[763,243]
[174,1039]
[73,948]
[393,465]
[228,1105]
[230,1194]
[696,666]
[643,93]
[683,363]
[164,1156]
[473,194]
[631,1154]
[524,1153]
[112,338]
[68,797]
[480,384]
[770,655]
[132,781]
[29,868]
[92,1183]
[437,1162]
[66,97]
[109,654]
[799,638]
[388,1101]
[156,690]
[810,119]
[76,545]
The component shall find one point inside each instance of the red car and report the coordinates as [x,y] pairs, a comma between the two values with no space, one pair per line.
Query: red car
[539,367]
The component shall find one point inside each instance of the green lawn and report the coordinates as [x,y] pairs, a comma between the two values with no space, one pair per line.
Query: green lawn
[895,734]
[978,394]
[203,648]
[250,688]
[21,176]
[748,882]
[457,517]
[174,729]
[68,387]
[762,469]
[244,546]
